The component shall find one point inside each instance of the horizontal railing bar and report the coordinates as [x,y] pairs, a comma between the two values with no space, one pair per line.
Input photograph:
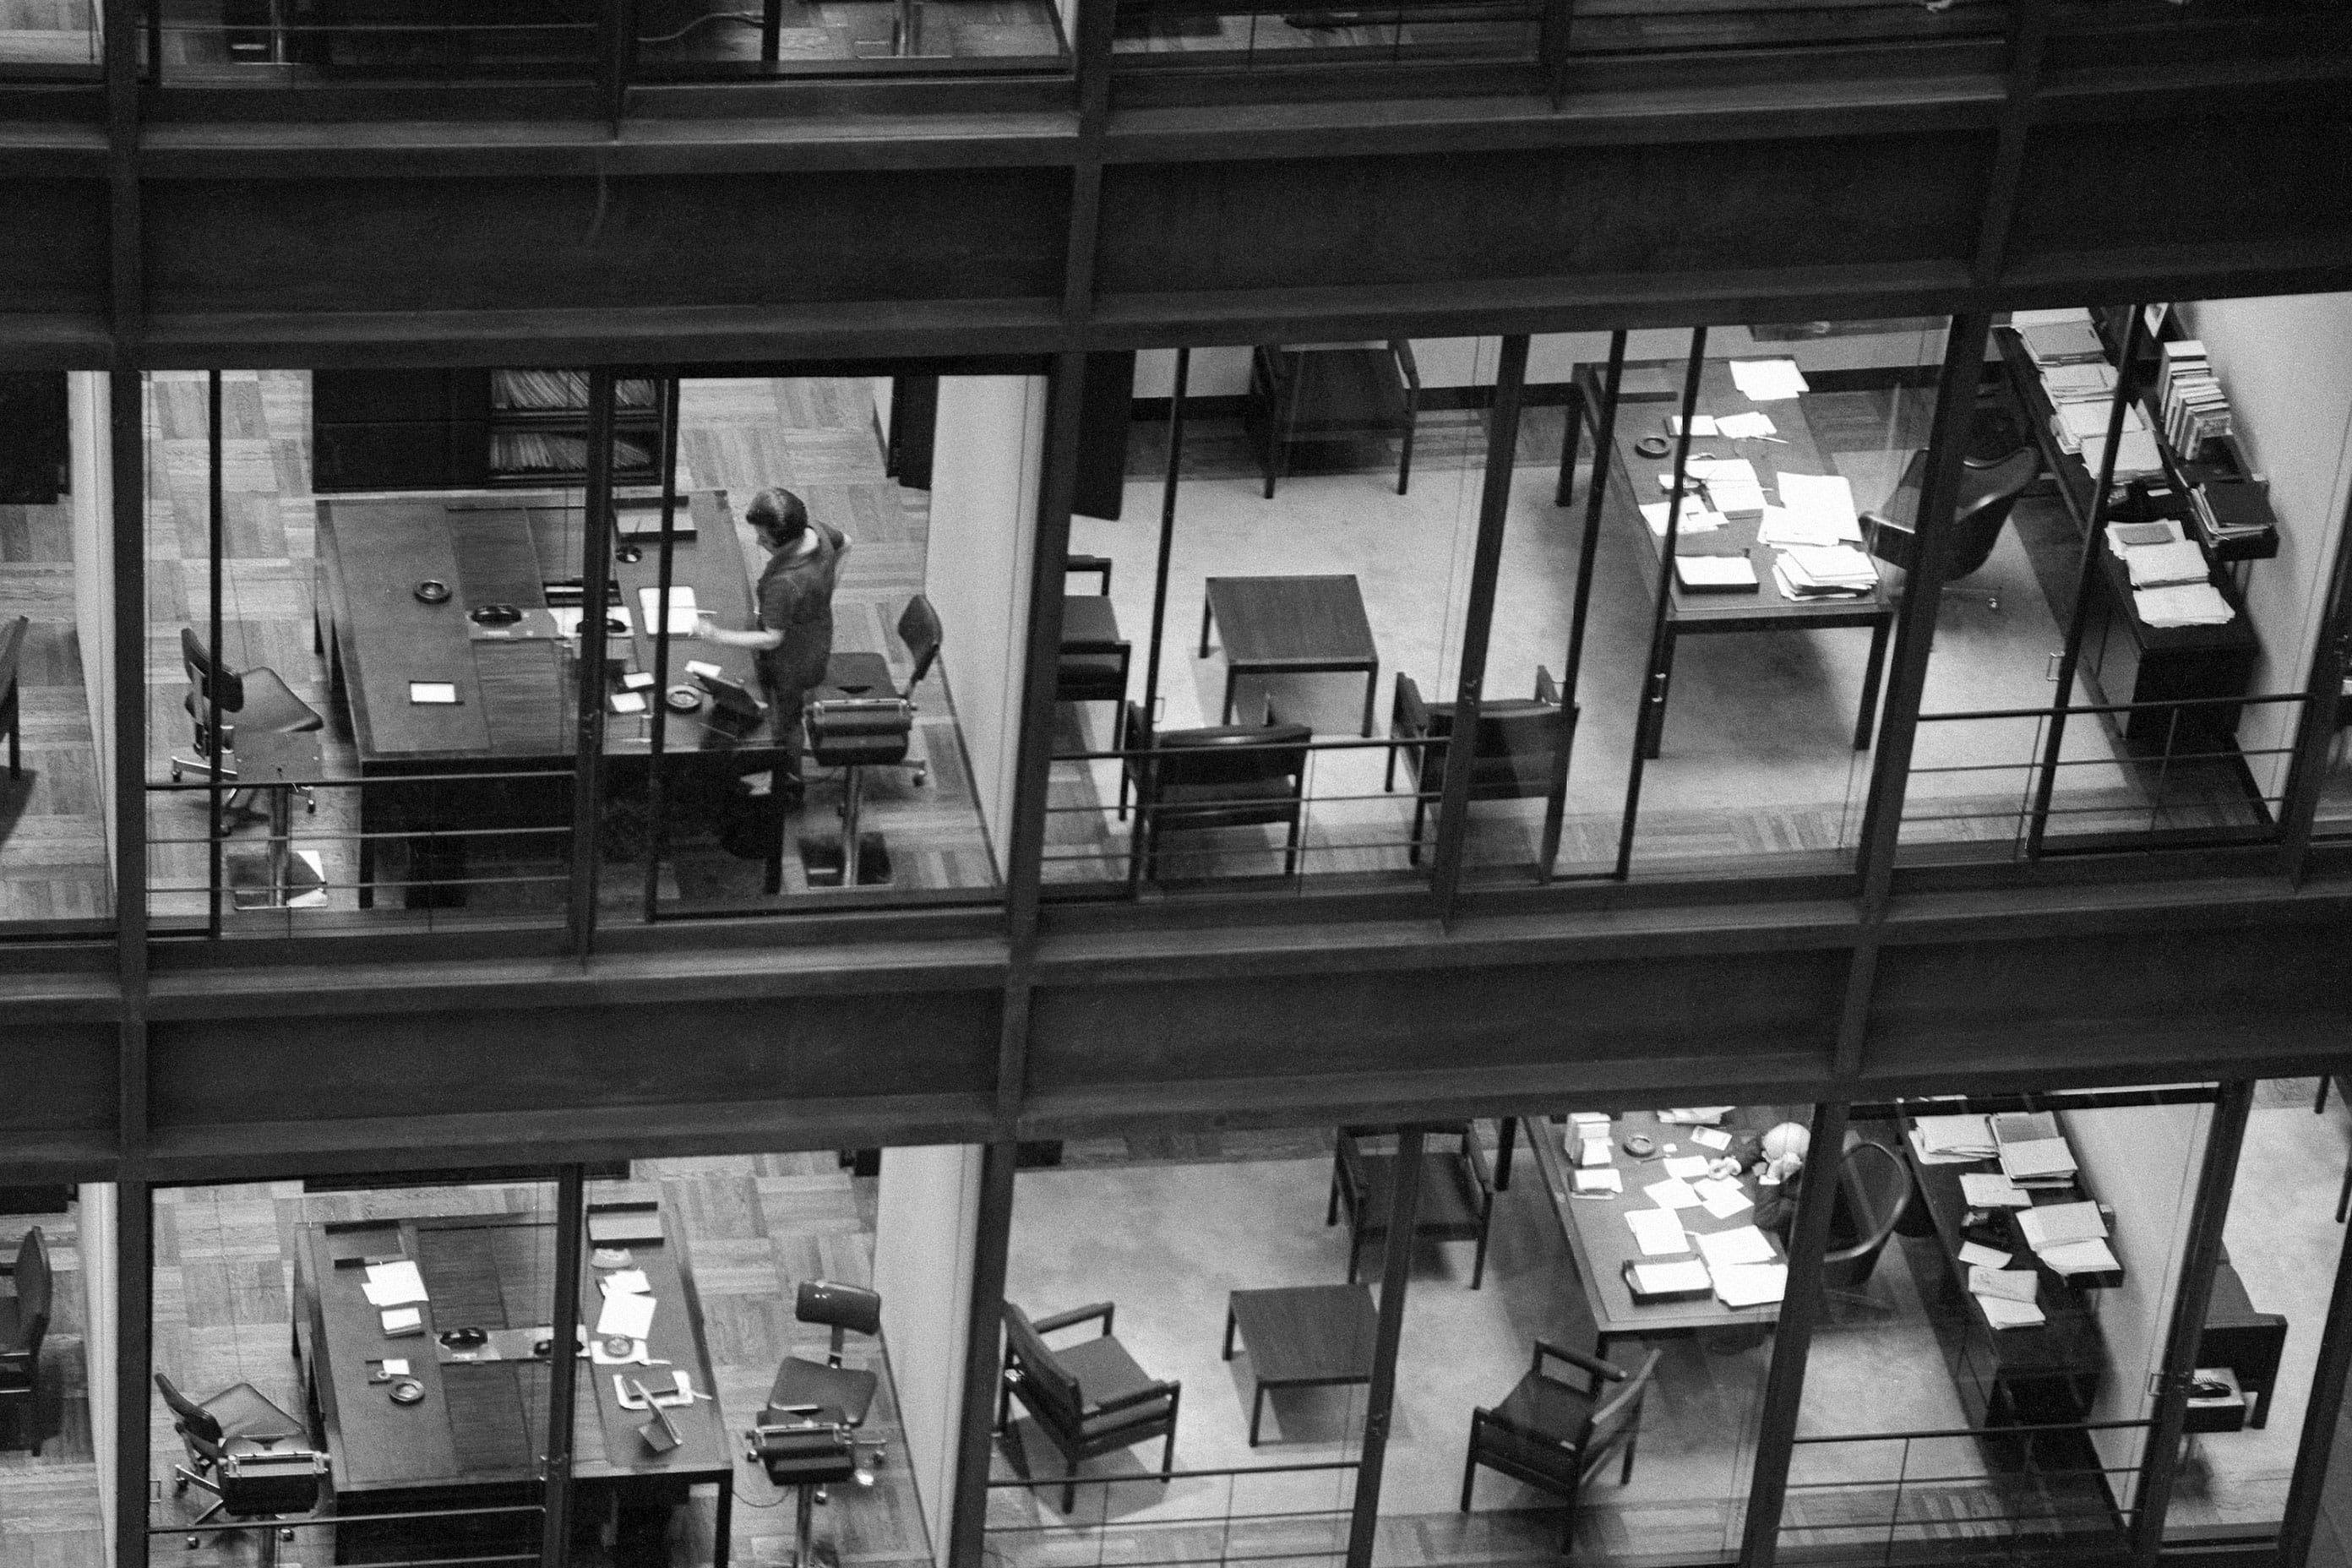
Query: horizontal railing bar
[189,786]
[2135,1425]
[312,837]
[1304,1466]
[2119,706]
[1350,744]
[333,1518]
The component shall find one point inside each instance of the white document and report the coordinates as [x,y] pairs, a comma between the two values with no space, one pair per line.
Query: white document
[1687,1275]
[2051,1223]
[1743,426]
[2087,1257]
[1723,1199]
[1751,1284]
[2003,1313]
[394,1284]
[2010,1284]
[1715,571]
[1700,424]
[1768,379]
[396,1367]
[1605,1180]
[1658,1231]
[1823,500]
[1710,1138]
[1687,1166]
[2188,604]
[2155,565]
[1724,1248]
[696,666]
[1695,1115]
[403,1321]
[682,610]
[1969,1136]
[1590,1118]
[1596,1151]
[1695,516]
[1991,1190]
[630,1280]
[1781,528]
[1975,1254]
[1674,1192]
[625,1314]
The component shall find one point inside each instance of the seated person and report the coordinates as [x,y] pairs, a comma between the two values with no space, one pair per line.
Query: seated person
[1775,1158]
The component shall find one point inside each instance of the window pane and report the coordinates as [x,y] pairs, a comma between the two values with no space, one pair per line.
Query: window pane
[309,45]
[60,1316]
[1158,31]
[1972,1374]
[1693,25]
[373,1356]
[701,40]
[1319,539]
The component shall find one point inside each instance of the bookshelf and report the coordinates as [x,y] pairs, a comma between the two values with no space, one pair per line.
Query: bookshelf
[466,429]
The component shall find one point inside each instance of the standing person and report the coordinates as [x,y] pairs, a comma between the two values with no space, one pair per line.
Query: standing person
[792,634]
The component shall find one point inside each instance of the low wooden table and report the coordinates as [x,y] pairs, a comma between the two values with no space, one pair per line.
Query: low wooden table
[1291,626]
[1302,1336]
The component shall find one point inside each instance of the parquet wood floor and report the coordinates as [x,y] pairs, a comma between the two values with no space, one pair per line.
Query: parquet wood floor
[52,821]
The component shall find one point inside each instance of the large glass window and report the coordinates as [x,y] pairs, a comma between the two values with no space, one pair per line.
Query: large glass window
[306,43]
[56,1342]
[1282,588]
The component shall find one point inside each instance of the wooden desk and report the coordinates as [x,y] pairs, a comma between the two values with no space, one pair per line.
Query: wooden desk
[2130,660]
[517,687]
[1647,395]
[477,1437]
[1602,1242]
[1278,626]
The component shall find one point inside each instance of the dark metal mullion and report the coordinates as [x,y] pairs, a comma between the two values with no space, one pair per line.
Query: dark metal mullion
[657,822]
[1801,1306]
[1665,587]
[555,1476]
[214,639]
[618,23]
[2323,711]
[2321,1414]
[134,1366]
[2029,36]
[968,1517]
[1558,38]
[1396,1272]
[1486,560]
[1167,543]
[595,582]
[2207,1212]
[1914,626]
[1596,495]
[2084,587]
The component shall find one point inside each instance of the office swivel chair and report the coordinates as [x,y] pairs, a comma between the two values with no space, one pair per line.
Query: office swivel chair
[253,1456]
[1988,491]
[852,728]
[260,704]
[806,1438]
[1874,1191]
[24,1323]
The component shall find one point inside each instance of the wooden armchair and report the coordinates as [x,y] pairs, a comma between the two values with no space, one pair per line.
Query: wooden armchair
[1457,1192]
[24,1323]
[1223,775]
[1331,394]
[1521,753]
[1089,1400]
[1556,1436]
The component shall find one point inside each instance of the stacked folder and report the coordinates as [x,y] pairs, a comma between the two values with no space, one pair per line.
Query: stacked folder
[2190,404]
[2033,1152]
[1816,572]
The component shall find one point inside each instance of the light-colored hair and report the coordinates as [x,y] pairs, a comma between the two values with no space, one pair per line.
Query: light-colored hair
[779,514]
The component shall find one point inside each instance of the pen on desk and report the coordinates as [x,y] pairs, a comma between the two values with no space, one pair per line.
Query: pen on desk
[1775,440]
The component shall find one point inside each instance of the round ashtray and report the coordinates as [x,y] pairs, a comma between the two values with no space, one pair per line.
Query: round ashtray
[433,591]
[1654,446]
[462,1339]
[682,698]
[407,1391]
[620,1345]
[1641,1145]
[629,556]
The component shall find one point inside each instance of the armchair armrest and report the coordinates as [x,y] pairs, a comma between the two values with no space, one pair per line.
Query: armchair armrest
[1599,1368]
[1547,688]
[1402,349]
[1409,715]
[1890,541]
[1075,1315]
[1157,1388]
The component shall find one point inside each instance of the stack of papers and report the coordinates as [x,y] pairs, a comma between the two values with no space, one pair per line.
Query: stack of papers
[1659,1233]
[2054,1225]
[1601,1182]
[2062,342]
[1991,1190]
[1820,500]
[1686,1277]
[1715,573]
[2158,565]
[1695,516]
[1723,1198]
[1816,572]
[2128,536]
[1595,1151]
[1750,1284]
[2090,1255]
[395,1284]
[1727,1249]
[1768,379]
[1689,1167]
[2184,604]
[1946,1140]
[2064,381]
[1781,528]
[627,1314]
[2034,1151]
[1743,426]
[682,611]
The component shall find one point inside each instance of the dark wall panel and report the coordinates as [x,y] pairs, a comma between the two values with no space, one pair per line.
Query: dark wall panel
[2186,180]
[1388,1019]
[53,253]
[551,243]
[1739,204]
[784,1048]
[60,1079]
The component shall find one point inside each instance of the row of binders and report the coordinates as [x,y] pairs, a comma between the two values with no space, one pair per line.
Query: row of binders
[2190,402]
[2080,384]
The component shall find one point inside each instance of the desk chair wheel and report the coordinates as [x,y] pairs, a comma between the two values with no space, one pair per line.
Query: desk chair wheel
[175,773]
[192,1544]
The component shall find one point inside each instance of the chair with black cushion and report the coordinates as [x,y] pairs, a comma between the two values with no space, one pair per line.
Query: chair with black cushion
[1223,775]
[858,720]
[24,1323]
[253,1456]
[1554,1435]
[1090,1399]
[254,700]
[827,1386]
[1521,753]
[1331,394]
[805,1454]
[12,648]
[1874,1191]
[1457,1192]
[1095,660]
[1989,489]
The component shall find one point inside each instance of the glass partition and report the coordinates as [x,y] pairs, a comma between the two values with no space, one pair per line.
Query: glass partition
[47,42]
[1158,34]
[311,43]
[56,640]
[1617,26]
[350,1369]
[1285,574]
[690,40]
[56,1244]
[1589,1382]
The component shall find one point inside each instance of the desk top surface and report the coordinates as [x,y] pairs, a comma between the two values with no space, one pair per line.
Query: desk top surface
[1308,1333]
[516,690]
[1603,1242]
[1269,622]
[1650,394]
[483,1422]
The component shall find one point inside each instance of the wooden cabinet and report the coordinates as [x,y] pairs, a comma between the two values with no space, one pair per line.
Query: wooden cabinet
[463,429]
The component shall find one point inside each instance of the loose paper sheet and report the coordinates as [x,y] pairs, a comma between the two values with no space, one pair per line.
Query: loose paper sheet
[1658,1231]
[627,1315]
[1723,1248]
[394,1284]
[1674,1192]
[1768,379]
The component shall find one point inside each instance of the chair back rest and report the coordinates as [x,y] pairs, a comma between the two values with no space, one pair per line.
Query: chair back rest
[12,643]
[194,1421]
[32,1286]
[844,1307]
[209,680]
[1231,754]
[1875,1188]
[1618,1412]
[1049,1382]
[918,628]
[1988,491]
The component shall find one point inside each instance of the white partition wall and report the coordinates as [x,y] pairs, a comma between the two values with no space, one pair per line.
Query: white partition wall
[93,565]
[926,1214]
[987,456]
